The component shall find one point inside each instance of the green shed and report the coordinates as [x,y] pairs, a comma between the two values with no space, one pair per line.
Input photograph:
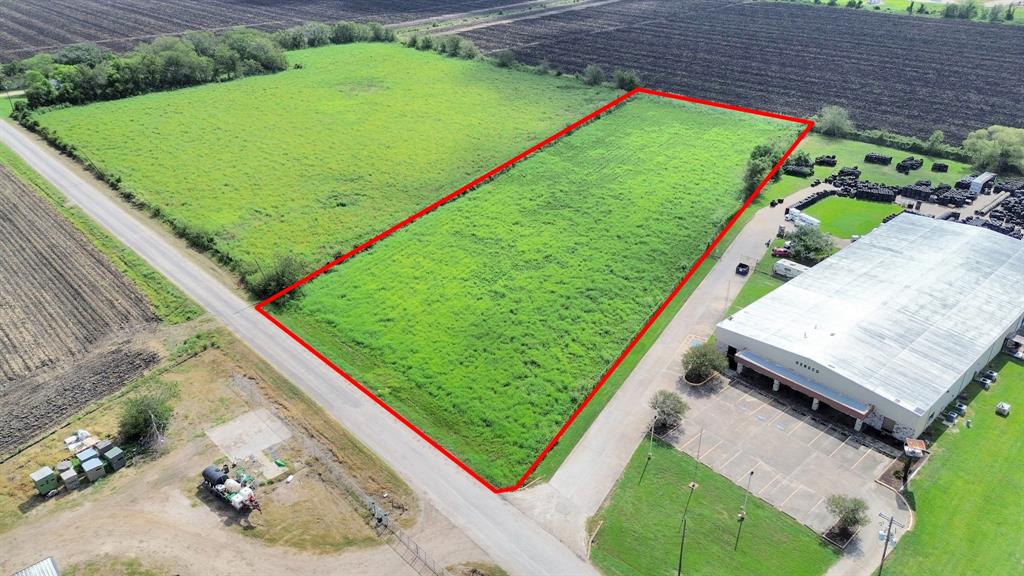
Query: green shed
[45,480]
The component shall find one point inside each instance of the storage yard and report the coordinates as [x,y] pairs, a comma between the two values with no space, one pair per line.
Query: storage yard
[882,68]
[72,328]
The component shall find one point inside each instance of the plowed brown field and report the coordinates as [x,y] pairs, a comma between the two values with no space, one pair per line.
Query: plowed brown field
[70,323]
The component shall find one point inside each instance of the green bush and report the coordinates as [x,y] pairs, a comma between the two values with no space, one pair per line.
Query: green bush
[626,80]
[142,416]
[997,148]
[285,270]
[833,121]
[593,75]
[505,59]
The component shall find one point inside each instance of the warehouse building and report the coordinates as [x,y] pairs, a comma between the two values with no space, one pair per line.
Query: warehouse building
[891,329]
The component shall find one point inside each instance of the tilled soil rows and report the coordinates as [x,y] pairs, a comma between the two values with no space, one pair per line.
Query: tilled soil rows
[30,26]
[792,59]
[68,317]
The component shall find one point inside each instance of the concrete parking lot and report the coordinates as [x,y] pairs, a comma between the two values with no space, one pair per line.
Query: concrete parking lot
[797,460]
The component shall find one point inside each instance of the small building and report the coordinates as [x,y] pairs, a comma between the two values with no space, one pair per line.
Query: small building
[103,445]
[93,469]
[115,457]
[888,331]
[70,479]
[46,567]
[45,480]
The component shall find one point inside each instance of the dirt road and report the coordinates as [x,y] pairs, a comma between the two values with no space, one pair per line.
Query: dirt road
[151,515]
[508,536]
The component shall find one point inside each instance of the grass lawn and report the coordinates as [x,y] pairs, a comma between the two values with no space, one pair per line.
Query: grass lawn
[851,153]
[969,497]
[486,322]
[847,217]
[314,161]
[640,527]
[169,303]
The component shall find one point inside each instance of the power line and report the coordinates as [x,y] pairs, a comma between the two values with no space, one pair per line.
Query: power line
[888,535]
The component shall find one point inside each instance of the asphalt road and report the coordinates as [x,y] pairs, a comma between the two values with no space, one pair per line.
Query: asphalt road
[512,539]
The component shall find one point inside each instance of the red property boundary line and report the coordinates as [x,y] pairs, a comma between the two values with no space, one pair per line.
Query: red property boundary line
[261,307]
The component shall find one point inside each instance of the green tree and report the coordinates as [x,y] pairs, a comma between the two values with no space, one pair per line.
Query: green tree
[593,75]
[762,159]
[997,148]
[833,121]
[935,142]
[810,244]
[144,415]
[505,59]
[851,513]
[669,409]
[702,362]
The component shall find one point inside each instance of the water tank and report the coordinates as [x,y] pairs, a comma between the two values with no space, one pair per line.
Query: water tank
[214,475]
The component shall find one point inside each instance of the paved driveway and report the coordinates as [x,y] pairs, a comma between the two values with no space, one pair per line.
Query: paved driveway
[797,460]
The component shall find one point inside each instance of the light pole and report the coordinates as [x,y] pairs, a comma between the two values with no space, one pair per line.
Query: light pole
[888,535]
[650,446]
[743,512]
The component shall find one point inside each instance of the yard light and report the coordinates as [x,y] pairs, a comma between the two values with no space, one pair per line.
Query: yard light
[743,513]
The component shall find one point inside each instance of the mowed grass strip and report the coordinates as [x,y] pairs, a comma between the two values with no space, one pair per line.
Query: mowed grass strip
[488,321]
[969,516]
[642,523]
[848,217]
[313,161]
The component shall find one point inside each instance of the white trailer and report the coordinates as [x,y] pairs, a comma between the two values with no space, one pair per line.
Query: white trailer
[789,269]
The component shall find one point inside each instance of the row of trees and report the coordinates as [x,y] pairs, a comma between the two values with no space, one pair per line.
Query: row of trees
[451,45]
[972,10]
[87,73]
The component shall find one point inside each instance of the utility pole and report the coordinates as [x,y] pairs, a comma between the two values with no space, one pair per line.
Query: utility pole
[743,512]
[686,508]
[650,447]
[888,535]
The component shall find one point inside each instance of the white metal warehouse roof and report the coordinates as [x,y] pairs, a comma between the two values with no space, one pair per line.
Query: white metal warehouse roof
[903,312]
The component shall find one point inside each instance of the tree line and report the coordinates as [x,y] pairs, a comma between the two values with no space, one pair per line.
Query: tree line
[83,73]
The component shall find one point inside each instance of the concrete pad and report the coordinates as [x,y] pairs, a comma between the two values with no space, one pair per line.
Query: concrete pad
[782,454]
[249,435]
[749,403]
[800,504]
[778,491]
[849,454]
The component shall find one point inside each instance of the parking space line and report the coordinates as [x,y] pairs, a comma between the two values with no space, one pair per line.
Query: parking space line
[704,455]
[816,437]
[798,425]
[841,444]
[863,456]
[733,457]
[778,415]
[795,490]
[816,505]
[768,485]
[688,442]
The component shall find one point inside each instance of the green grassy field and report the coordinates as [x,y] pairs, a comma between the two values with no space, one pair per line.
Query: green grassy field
[314,161]
[169,303]
[851,153]
[847,217]
[640,527]
[968,496]
[487,322]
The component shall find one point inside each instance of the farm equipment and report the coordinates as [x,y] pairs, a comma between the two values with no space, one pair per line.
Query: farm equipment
[239,492]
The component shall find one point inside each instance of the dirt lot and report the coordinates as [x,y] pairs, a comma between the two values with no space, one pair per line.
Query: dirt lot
[72,328]
[154,518]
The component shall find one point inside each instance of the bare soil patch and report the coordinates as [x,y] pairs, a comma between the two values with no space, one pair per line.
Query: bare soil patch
[72,327]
